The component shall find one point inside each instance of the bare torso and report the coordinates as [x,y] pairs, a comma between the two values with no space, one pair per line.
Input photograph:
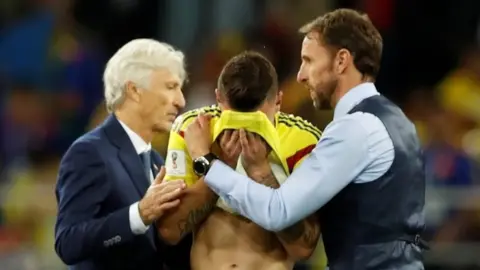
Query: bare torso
[225,241]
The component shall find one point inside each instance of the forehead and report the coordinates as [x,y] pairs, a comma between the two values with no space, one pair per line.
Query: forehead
[312,45]
[165,76]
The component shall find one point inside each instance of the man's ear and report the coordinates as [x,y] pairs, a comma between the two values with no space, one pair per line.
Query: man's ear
[343,59]
[132,91]
[278,101]
[220,98]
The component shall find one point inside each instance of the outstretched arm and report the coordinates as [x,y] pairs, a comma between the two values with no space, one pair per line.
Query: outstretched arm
[339,157]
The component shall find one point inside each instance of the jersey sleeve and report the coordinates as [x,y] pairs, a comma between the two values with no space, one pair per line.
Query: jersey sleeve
[178,163]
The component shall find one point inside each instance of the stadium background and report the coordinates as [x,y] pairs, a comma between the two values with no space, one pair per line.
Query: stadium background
[52,54]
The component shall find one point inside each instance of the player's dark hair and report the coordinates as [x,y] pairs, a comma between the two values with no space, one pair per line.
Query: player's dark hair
[247,80]
[351,30]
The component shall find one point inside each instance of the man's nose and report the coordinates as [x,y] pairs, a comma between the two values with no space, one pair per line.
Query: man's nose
[180,100]
[301,78]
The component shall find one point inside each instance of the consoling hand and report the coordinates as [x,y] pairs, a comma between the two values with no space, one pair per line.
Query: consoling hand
[254,151]
[160,197]
[230,147]
[198,137]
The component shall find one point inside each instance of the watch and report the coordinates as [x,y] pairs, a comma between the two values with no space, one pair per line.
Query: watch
[202,164]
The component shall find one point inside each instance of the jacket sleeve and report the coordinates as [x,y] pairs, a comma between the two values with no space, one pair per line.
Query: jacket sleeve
[81,232]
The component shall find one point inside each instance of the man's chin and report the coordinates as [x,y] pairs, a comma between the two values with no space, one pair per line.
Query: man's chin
[163,127]
[321,105]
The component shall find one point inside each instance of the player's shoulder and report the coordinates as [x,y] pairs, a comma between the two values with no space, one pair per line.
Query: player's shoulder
[297,126]
[187,117]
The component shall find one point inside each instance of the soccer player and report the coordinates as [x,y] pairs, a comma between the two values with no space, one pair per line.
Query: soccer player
[248,107]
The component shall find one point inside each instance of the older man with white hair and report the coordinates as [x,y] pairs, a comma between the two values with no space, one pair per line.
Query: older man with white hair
[109,188]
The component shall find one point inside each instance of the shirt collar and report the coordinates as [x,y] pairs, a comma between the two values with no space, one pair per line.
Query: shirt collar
[138,143]
[353,97]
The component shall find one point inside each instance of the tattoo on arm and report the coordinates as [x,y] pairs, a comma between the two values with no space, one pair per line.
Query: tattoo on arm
[292,233]
[304,231]
[195,217]
[268,180]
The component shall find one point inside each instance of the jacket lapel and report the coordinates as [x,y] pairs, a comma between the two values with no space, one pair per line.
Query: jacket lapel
[127,154]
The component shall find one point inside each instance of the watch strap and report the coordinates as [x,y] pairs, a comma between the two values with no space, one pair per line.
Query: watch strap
[205,162]
[210,157]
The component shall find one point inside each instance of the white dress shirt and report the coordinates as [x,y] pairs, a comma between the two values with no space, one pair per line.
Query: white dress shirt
[354,148]
[136,223]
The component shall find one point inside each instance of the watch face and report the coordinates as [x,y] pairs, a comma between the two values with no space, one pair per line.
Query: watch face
[200,167]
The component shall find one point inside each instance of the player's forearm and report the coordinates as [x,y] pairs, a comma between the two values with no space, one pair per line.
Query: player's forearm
[195,206]
[300,239]
[264,176]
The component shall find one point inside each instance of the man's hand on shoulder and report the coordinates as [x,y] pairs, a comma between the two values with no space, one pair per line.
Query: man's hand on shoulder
[160,197]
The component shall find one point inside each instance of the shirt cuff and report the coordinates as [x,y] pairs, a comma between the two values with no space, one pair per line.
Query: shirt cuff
[136,222]
[220,178]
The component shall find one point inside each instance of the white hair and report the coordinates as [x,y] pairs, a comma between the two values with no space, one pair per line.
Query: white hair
[135,62]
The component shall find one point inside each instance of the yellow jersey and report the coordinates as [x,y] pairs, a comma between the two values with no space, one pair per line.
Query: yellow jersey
[290,137]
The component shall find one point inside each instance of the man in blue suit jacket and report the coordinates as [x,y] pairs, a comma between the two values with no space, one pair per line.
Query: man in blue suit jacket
[107,193]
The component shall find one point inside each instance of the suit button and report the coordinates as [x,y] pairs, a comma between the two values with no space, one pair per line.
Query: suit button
[117,239]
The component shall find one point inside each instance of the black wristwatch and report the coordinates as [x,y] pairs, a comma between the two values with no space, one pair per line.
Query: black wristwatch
[202,164]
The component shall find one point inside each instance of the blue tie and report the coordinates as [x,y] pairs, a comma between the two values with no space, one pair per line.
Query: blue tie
[147,163]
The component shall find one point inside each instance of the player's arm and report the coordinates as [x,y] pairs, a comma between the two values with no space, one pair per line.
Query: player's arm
[300,239]
[195,206]
[197,202]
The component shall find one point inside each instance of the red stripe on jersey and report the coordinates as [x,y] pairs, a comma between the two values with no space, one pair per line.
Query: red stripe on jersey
[181,133]
[293,159]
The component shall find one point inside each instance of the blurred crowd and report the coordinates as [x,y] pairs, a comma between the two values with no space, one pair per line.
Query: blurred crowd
[52,55]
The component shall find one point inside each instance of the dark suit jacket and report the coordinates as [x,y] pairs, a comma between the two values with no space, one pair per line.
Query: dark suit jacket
[100,176]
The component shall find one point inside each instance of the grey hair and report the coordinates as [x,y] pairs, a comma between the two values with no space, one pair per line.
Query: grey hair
[135,62]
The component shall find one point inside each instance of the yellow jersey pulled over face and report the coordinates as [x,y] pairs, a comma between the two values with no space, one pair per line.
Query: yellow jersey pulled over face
[290,137]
